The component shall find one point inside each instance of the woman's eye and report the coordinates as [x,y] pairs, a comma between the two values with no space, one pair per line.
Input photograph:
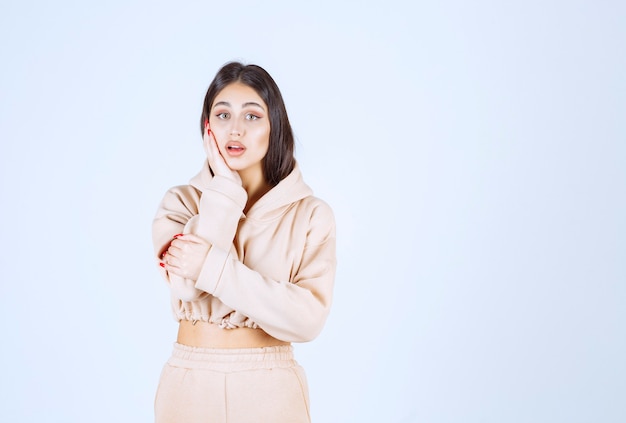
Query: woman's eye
[250,116]
[223,115]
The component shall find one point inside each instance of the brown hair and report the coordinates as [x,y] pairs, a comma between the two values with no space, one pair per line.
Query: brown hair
[279,160]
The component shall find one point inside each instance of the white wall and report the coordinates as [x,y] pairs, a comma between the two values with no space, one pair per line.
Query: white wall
[474,154]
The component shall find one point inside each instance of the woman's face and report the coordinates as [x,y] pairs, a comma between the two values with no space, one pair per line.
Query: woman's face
[240,123]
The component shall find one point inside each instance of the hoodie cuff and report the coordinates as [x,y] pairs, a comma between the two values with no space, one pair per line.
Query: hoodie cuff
[212,269]
[221,208]
[230,189]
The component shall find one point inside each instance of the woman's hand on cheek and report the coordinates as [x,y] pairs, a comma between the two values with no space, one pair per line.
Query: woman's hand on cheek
[216,160]
[186,255]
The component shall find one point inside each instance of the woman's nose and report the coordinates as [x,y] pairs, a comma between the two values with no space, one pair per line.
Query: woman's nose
[235,129]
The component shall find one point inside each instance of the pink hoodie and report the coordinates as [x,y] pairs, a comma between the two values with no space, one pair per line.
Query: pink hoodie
[273,268]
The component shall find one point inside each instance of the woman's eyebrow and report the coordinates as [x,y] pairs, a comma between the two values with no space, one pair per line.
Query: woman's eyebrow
[252,103]
[244,105]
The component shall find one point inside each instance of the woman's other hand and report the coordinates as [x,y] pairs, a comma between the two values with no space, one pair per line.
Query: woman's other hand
[216,160]
[185,256]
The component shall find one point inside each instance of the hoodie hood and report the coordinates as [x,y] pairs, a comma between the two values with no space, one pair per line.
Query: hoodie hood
[274,203]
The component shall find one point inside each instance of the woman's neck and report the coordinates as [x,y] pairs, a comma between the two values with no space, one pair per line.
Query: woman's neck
[255,185]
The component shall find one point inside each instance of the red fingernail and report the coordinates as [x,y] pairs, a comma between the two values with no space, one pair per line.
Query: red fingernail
[206,122]
[177,235]
[162,264]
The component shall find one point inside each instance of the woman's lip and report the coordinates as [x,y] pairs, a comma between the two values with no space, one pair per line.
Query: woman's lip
[234,148]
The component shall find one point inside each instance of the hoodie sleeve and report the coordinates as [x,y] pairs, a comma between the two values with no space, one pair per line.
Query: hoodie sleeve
[221,208]
[212,214]
[177,208]
[293,311]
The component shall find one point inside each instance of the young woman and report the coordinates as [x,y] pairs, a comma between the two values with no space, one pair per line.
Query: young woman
[249,255]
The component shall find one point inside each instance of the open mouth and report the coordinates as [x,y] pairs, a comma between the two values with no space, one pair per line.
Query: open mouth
[235,148]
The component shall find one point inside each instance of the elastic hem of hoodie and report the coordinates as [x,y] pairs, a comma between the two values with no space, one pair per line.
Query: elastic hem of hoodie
[222,322]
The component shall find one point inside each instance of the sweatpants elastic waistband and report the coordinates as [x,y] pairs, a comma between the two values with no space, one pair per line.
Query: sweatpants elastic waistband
[235,359]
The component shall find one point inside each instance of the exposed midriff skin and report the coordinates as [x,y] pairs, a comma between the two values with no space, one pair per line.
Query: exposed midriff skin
[209,335]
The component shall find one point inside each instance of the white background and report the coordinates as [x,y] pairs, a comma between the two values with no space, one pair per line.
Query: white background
[474,154]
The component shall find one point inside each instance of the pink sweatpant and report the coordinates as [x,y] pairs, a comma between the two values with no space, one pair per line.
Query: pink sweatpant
[251,385]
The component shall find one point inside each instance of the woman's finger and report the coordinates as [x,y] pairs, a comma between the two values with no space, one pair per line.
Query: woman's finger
[191,238]
[209,143]
[216,160]
[206,142]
